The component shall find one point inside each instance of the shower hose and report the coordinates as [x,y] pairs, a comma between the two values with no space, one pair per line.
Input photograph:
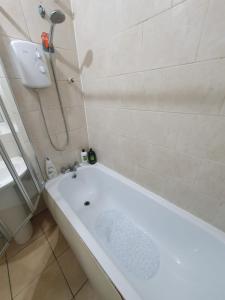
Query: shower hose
[61,108]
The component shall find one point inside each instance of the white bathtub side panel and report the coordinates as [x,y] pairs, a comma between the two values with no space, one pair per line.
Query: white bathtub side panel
[94,272]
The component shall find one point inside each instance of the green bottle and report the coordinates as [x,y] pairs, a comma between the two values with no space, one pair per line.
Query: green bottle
[92,159]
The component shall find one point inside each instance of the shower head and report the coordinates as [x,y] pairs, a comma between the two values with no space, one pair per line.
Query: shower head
[57,17]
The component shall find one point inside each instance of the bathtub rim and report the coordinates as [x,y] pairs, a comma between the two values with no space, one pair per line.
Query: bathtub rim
[119,280]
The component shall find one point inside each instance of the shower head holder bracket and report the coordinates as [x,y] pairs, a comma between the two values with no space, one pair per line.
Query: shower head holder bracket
[42,11]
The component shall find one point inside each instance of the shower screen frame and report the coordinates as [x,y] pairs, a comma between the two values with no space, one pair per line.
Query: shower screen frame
[39,185]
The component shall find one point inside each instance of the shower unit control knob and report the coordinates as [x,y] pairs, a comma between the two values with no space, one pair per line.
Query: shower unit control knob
[42,69]
[38,55]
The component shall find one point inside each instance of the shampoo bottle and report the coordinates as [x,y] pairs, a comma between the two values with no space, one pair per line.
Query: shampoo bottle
[92,159]
[84,156]
[50,168]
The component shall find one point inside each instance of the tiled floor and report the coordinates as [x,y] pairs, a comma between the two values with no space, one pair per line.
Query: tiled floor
[43,269]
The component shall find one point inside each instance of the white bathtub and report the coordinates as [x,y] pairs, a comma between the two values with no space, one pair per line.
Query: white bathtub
[133,243]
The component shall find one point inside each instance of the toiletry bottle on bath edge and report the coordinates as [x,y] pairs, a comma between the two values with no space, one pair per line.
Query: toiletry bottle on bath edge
[92,159]
[50,168]
[84,156]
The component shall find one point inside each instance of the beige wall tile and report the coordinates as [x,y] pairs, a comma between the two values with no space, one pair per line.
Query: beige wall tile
[212,44]
[219,219]
[100,65]
[26,98]
[92,17]
[106,92]
[125,51]
[71,93]
[33,121]
[175,2]
[12,22]
[70,157]
[157,128]
[166,162]
[111,18]
[172,38]
[141,10]
[150,180]
[210,180]
[150,101]
[223,108]
[194,88]
[78,140]
[126,153]
[54,120]
[189,197]
[75,117]
[112,120]
[202,136]
[49,98]
[66,64]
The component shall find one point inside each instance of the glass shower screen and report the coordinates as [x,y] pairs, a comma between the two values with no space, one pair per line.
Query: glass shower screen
[20,178]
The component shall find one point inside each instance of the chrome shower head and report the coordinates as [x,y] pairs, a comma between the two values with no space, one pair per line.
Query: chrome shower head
[57,17]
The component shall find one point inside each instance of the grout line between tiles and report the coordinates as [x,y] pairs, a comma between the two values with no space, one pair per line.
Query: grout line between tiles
[25,20]
[202,32]
[10,284]
[143,21]
[121,107]
[165,67]
[60,268]
[78,291]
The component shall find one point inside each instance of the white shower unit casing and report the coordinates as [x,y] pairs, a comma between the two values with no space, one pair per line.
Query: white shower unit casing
[31,64]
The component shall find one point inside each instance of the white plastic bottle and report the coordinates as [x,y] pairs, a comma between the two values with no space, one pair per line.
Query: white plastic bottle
[50,168]
[84,156]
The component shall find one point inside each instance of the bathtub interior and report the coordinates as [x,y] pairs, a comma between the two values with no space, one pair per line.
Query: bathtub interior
[181,257]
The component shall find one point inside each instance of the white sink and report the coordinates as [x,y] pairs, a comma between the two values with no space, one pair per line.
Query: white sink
[5,176]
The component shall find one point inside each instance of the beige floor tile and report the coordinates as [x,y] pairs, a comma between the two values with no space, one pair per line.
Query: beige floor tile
[29,263]
[87,293]
[4,283]
[45,220]
[2,259]
[57,241]
[72,270]
[14,248]
[50,285]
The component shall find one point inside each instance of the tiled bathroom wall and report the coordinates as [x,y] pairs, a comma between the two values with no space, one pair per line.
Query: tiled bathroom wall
[19,19]
[154,95]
